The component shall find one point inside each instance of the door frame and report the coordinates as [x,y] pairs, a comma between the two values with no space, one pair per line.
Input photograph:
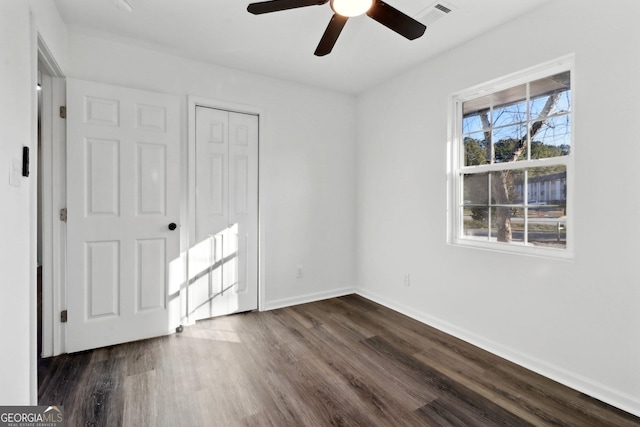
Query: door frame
[189,236]
[53,158]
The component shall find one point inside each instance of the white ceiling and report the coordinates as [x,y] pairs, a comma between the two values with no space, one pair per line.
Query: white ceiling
[281,44]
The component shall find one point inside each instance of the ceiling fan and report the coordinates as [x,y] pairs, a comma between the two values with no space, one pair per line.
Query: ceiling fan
[344,9]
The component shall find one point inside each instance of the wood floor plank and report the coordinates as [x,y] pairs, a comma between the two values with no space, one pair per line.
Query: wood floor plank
[481,407]
[344,361]
[144,384]
[102,403]
[374,390]
[335,343]
[499,392]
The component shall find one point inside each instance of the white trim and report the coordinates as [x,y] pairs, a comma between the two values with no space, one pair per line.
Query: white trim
[53,158]
[624,401]
[516,249]
[47,61]
[455,162]
[304,299]
[536,72]
[53,230]
[193,102]
[46,157]
[59,197]
[535,163]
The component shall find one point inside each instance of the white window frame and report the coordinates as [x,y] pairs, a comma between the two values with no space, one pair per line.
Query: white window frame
[456,165]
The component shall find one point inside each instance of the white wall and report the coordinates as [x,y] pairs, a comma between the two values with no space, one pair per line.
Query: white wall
[575,321]
[51,29]
[15,250]
[307,155]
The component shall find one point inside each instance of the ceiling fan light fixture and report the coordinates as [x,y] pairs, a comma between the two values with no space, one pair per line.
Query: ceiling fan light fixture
[350,8]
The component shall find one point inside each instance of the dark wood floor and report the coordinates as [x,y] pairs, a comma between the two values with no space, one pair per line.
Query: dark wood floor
[345,361]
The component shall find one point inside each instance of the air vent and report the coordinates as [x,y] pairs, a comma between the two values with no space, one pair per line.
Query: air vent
[431,14]
[445,9]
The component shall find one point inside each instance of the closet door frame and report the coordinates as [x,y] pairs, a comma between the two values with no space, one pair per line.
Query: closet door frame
[188,233]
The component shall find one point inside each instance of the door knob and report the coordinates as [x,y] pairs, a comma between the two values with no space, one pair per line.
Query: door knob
[172,226]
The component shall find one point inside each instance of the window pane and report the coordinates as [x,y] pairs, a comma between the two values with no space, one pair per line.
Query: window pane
[475,149]
[506,187]
[509,106]
[517,224]
[547,188]
[507,143]
[542,91]
[552,137]
[475,222]
[547,206]
[473,122]
[563,104]
[549,232]
[545,106]
[477,106]
[476,189]
[507,224]
[510,114]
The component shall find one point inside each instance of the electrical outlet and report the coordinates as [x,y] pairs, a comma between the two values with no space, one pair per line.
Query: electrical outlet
[407,280]
[299,273]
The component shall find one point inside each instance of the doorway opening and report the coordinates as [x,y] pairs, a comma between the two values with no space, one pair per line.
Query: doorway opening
[48,158]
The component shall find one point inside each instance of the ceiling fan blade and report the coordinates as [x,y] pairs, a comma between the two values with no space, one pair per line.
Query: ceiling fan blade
[395,20]
[278,5]
[331,35]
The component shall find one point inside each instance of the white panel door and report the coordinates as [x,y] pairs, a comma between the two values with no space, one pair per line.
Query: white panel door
[123,159]
[223,259]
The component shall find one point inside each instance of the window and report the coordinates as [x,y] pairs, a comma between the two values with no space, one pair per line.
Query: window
[512,157]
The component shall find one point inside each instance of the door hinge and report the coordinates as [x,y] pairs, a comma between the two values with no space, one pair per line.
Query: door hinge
[63,316]
[63,214]
[63,111]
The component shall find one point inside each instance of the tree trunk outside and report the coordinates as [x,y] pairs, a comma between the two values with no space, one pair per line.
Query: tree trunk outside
[503,214]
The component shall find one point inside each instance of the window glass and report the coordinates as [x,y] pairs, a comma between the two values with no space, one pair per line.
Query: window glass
[475,149]
[476,189]
[472,123]
[510,106]
[553,138]
[510,143]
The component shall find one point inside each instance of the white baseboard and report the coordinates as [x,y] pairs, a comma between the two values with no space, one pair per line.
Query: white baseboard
[303,299]
[600,391]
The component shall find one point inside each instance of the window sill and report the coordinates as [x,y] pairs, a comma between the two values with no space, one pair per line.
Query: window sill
[515,249]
